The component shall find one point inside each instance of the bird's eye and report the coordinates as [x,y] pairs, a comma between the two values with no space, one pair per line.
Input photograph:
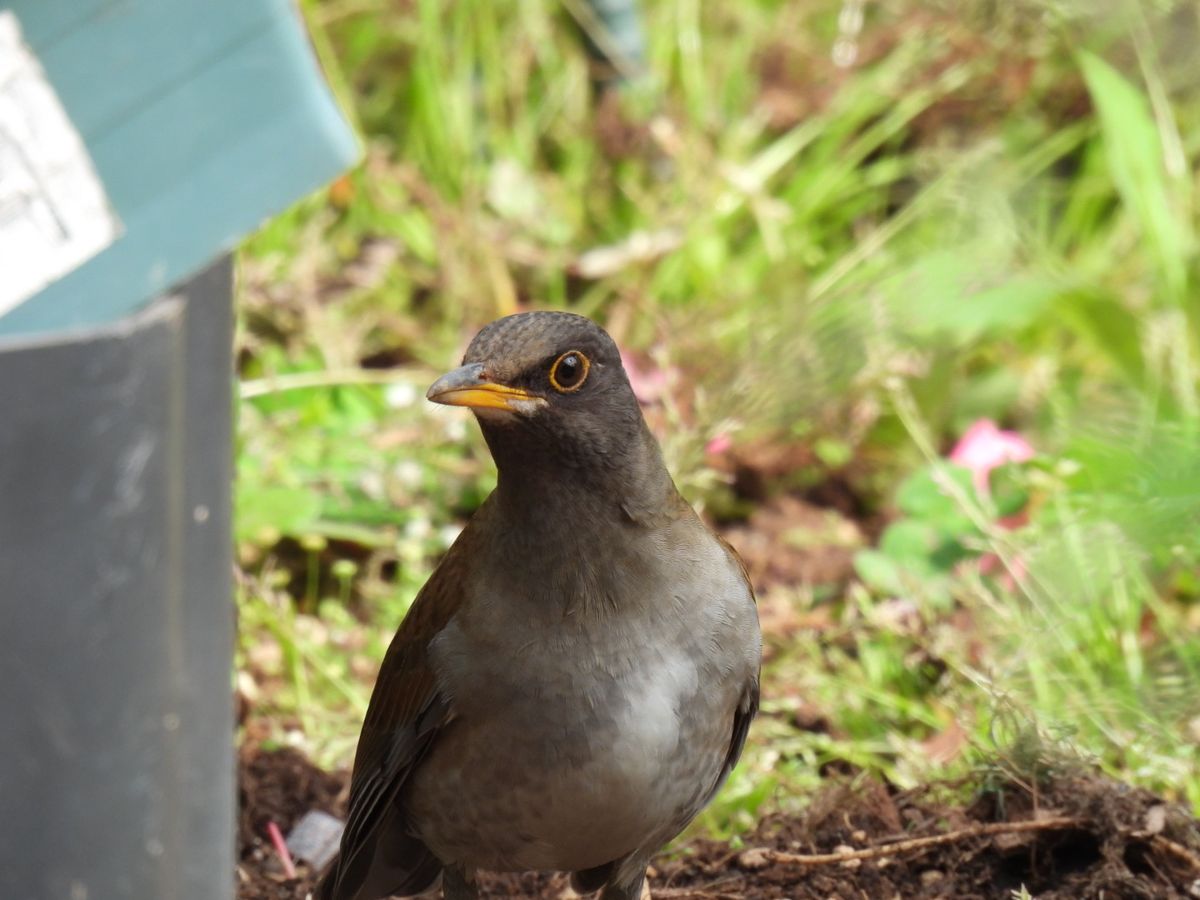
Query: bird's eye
[569,372]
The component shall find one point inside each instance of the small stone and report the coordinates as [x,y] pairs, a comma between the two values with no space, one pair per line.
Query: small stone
[247,686]
[848,863]
[1009,842]
[754,858]
[315,838]
[1156,819]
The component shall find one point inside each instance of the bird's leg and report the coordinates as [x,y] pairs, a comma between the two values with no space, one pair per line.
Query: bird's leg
[633,888]
[457,886]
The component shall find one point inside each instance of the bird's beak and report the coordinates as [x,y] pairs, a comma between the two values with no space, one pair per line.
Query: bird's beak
[468,386]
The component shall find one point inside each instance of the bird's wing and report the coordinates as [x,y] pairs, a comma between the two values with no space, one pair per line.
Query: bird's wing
[747,706]
[746,710]
[404,716]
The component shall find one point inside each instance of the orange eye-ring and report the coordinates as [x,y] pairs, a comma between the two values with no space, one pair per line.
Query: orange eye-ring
[569,372]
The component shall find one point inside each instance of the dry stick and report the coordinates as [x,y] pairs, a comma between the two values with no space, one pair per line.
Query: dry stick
[921,843]
[1177,850]
[894,848]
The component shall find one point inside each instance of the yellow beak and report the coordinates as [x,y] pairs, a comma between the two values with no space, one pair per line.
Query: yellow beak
[467,386]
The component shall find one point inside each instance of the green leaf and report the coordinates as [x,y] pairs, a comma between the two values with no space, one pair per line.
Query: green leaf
[1135,161]
[351,533]
[1112,331]
[265,512]
[879,572]
[832,452]
[911,542]
[922,496]
[1010,489]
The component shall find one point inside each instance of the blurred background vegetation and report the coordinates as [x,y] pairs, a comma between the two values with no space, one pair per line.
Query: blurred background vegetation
[832,236]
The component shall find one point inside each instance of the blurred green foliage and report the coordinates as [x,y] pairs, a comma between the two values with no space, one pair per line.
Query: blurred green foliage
[980,210]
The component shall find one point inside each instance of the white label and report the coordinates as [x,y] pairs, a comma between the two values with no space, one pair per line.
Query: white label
[54,214]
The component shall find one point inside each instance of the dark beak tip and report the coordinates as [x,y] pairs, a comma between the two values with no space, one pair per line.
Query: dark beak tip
[465,376]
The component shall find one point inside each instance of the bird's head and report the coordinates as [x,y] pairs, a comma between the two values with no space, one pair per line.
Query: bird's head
[550,393]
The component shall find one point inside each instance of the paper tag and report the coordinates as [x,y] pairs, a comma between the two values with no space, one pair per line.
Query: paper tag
[54,214]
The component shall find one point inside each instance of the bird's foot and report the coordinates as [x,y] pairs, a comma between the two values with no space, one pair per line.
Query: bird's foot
[638,890]
[457,885]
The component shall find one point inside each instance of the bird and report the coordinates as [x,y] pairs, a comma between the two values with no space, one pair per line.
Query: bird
[577,677]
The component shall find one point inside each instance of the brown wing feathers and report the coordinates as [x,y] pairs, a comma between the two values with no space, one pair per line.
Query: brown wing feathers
[403,719]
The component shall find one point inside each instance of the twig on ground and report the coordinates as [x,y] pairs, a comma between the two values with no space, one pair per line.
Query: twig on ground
[1176,850]
[719,864]
[765,856]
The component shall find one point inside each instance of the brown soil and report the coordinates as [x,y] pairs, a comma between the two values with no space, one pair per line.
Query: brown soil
[789,542]
[1091,838]
[278,786]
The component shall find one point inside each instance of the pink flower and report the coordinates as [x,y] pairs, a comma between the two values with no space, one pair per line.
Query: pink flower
[648,384]
[984,447]
[981,449]
[719,443]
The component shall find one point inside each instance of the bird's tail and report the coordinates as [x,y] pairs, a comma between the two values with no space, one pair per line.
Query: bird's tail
[327,885]
[406,869]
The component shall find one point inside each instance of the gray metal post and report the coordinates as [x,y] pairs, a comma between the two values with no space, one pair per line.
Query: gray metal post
[116,617]
[614,41]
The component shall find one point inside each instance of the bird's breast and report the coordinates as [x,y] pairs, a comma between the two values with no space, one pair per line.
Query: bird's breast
[584,728]
[571,749]
[568,699]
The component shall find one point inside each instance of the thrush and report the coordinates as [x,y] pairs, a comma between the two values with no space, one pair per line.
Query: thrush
[576,679]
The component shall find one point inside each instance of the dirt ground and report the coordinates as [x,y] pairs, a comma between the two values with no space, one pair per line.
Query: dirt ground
[1082,837]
